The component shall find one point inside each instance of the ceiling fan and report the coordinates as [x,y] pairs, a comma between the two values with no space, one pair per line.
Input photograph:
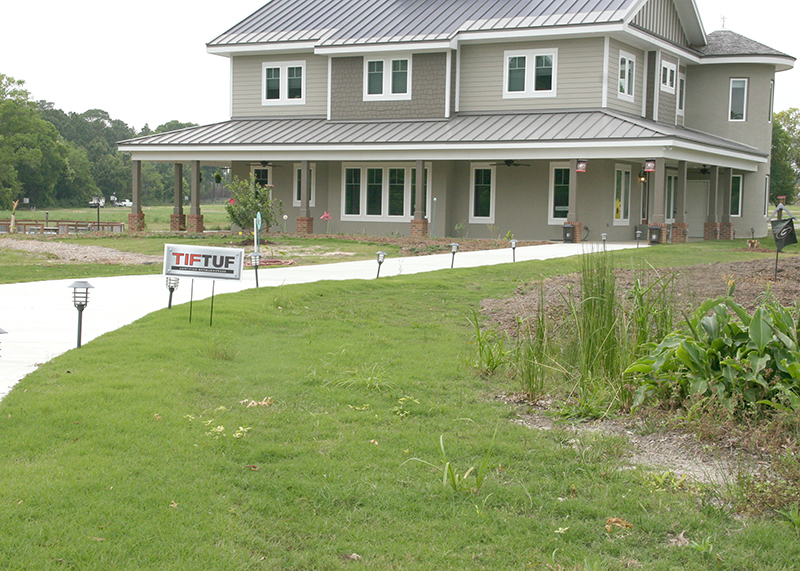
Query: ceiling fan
[510,163]
[266,164]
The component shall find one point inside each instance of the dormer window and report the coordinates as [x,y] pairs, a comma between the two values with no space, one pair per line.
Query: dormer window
[284,83]
[387,79]
[627,75]
[669,72]
[530,73]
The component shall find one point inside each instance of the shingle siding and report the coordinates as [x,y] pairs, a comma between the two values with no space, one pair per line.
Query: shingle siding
[579,76]
[247,87]
[428,89]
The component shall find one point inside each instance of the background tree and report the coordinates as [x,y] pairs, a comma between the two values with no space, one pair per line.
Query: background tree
[785,171]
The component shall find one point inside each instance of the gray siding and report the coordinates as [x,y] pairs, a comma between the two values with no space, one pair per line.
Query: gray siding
[247,87]
[660,17]
[667,102]
[652,78]
[614,101]
[428,88]
[579,76]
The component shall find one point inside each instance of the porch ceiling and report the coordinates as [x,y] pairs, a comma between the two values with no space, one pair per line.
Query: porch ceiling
[591,134]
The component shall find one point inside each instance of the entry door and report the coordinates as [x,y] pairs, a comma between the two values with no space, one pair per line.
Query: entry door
[696,207]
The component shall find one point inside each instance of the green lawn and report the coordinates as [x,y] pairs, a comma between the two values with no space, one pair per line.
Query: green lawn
[139,450]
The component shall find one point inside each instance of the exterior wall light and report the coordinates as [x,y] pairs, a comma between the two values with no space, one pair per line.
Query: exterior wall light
[569,232]
[654,234]
[642,177]
[255,260]
[453,250]
[381,258]
[80,298]
[172,285]
[513,250]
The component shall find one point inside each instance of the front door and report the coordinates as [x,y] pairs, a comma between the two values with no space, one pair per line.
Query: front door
[696,207]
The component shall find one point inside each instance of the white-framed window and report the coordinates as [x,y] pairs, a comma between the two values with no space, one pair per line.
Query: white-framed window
[262,175]
[387,78]
[669,76]
[622,195]
[530,73]
[481,193]
[671,198]
[298,185]
[380,191]
[283,83]
[627,76]
[736,195]
[737,107]
[681,93]
[766,196]
[771,102]
[645,202]
[558,200]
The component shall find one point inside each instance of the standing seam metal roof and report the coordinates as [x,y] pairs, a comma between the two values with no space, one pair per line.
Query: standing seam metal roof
[589,127]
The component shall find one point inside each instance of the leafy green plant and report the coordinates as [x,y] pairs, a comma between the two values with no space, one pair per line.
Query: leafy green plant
[747,363]
[792,515]
[249,198]
[490,350]
[457,481]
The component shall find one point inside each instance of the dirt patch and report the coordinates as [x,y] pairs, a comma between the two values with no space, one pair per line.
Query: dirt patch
[80,253]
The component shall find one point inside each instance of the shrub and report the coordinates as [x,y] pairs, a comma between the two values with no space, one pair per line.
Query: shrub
[249,198]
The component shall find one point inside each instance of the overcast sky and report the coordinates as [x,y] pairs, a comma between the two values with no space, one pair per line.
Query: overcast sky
[146,62]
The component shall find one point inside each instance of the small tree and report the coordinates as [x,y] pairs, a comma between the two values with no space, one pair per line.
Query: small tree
[249,198]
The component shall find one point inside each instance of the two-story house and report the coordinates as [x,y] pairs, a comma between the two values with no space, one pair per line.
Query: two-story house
[493,116]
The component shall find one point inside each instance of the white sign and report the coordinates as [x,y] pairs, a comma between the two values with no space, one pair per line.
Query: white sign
[203,262]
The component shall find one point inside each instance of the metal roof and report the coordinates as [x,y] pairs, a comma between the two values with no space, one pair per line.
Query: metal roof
[349,22]
[592,128]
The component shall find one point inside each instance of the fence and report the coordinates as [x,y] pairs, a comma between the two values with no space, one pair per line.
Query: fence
[54,227]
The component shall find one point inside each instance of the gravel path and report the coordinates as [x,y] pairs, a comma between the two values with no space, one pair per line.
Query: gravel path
[80,253]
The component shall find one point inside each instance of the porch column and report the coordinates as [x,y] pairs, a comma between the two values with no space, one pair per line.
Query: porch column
[572,212]
[136,216]
[177,220]
[305,223]
[658,199]
[419,225]
[711,227]
[680,228]
[726,185]
[195,218]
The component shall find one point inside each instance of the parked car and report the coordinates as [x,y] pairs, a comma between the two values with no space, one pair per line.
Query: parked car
[96,202]
[124,202]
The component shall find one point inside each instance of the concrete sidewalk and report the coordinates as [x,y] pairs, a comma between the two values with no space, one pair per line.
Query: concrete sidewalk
[42,322]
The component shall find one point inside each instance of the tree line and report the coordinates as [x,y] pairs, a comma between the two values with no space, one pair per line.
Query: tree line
[54,158]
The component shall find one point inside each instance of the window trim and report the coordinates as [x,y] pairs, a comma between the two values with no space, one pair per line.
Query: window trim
[744,101]
[492,193]
[668,83]
[741,190]
[771,101]
[384,216]
[670,198]
[766,196]
[681,95]
[313,198]
[629,81]
[530,73]
[386,94]
[551,220]
[626,221]
[284,82]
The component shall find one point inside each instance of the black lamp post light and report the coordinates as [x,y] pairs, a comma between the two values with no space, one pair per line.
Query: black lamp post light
[453,250]
[513,250]
[80,298]
[255,261]
[381,257]
[172,285]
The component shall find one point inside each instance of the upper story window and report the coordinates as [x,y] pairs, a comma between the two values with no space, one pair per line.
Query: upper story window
[681,93]
[387,78]
[738,100]
[530,73]
[771,100]
[627,75]
[669,74]
[283,83]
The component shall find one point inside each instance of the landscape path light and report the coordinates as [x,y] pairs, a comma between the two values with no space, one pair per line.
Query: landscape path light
[255,260]
[638,237]
[80,298]
[453,249]
[513,250]
[172,285]
[604,237]
[381,257]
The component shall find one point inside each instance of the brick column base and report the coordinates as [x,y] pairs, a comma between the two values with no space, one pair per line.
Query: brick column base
[195,223]
[726,230]
[305,225]
[419,228]
[680,232]
[136,221]
[578,230]
[177,222]
[711,231]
